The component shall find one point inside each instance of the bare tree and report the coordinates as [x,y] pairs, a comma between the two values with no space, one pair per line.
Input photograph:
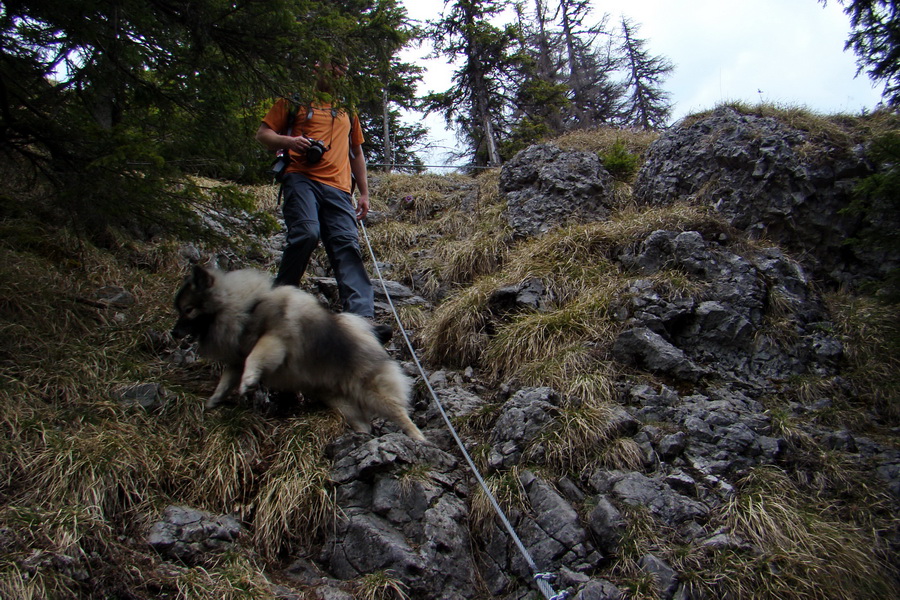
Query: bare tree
[646,104]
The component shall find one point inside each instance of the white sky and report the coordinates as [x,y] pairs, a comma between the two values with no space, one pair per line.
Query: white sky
[787,52]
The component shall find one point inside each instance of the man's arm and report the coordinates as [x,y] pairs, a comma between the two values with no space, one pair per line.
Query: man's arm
[274,141]
[358,168]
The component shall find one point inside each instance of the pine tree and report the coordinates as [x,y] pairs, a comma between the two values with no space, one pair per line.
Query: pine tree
[386,85]
[591,64]
[646,105]
[111,103]
[540,98]
[876,41]
[478,101]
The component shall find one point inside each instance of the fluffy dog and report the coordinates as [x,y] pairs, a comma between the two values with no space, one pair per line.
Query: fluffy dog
[285,339]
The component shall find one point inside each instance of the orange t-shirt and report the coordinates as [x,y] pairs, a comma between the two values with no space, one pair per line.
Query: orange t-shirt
[332,129]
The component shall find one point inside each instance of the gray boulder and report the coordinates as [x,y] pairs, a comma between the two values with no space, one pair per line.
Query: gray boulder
[768,179]
[599,589]
[644,348]
[652,493]
[188,534]
[665,577]
[724,331]
[521,420]
[552,533]
[403,511]
[530,294]
[607,525]
[724,432]
[546,187]
[148,396]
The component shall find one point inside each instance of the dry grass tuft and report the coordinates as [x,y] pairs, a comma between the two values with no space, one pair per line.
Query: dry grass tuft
[797,541]
[419,198]
[506,489]
[556,343]
[110,467]
[463,260]
[380,585]
[294,502]
[644,534]
[457,333]
[229,457]
[64,536]
[602,139]
[232,576]
[870,331]
[584,437]
[622,453]
[576,371]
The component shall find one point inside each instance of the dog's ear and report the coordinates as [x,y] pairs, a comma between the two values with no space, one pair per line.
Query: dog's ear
[201,278]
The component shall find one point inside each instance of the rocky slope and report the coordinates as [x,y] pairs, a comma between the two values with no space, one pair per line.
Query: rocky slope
[713,404]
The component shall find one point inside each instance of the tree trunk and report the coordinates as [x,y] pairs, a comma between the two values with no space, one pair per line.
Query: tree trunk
[387,148]
[575,77]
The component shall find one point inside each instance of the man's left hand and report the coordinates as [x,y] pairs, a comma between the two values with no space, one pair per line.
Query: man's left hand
[362,206]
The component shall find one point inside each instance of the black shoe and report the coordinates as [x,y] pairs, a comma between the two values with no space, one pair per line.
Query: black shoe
[279,404]
[280,398]
[384,333]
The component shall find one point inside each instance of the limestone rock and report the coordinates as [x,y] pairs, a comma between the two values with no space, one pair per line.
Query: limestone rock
[546,187]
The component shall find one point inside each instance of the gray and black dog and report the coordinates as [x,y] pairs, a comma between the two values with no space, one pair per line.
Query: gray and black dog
[283,338]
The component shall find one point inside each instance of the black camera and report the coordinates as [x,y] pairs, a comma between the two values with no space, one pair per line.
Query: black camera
[315,152]
[279,167]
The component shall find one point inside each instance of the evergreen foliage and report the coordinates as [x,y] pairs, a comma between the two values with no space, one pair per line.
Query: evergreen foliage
[389,141]
[590,64]
[110,105]
[621,164]
[877,200]
[478,99]
[646,105]
[549,74]
[876,41]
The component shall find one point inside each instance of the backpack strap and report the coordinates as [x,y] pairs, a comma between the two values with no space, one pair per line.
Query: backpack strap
[352,156]
[294,105]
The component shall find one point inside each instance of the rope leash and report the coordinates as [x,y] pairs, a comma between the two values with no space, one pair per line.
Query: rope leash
[542,580]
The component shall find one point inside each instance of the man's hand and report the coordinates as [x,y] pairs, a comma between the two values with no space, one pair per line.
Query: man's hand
[299,144]
[362,206]
[275,141]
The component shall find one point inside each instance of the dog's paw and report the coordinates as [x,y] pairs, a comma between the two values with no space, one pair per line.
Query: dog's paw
[212,403]
[247,388]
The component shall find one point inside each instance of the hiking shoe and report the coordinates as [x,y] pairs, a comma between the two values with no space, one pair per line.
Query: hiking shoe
[383,332]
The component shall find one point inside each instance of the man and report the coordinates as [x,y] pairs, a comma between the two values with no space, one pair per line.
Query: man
[317,194]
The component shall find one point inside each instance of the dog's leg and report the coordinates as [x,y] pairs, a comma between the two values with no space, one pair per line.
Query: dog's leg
[401,418]
[352,414]
[227,383]
[390,392]
[267,355]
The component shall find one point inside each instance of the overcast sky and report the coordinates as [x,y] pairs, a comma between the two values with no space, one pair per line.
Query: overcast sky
[787,52]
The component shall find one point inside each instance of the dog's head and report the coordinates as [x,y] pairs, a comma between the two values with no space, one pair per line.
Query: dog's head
[192,302]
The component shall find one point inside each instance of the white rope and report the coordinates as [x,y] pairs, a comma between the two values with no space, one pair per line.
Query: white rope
[542,580]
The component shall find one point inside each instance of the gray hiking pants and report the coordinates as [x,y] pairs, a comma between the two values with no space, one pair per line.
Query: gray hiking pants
[314,211]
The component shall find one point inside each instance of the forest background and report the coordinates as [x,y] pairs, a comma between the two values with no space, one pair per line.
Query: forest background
[112,103]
